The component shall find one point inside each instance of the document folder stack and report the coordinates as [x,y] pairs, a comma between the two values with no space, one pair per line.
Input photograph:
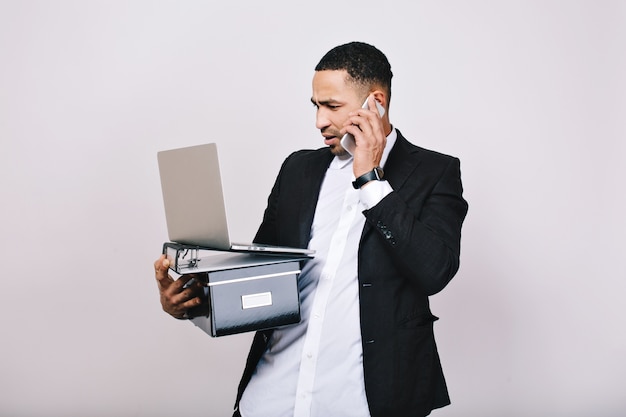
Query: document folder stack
[247,292]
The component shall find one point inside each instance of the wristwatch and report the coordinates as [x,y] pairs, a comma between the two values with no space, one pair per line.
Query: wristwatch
[374,175]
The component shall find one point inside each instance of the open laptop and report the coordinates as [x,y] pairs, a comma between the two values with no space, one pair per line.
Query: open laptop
[194,202]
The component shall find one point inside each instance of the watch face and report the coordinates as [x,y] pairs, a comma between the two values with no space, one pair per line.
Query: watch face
[379,173]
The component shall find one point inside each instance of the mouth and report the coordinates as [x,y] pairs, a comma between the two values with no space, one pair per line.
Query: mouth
[330,139]
[334,143]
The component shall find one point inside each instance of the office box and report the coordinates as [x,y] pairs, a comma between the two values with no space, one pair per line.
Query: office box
[254,298]
[247,292]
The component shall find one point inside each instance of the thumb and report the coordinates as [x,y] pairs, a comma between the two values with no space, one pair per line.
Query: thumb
[161,267]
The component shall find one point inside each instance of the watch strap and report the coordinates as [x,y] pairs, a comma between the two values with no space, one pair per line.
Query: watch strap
[374,175]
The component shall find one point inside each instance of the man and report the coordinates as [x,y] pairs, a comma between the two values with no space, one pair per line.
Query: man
[386,227]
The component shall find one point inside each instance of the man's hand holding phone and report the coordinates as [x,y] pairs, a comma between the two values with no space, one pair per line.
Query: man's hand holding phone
[365,137]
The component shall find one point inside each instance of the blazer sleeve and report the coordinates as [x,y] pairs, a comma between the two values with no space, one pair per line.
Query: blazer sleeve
[420,224]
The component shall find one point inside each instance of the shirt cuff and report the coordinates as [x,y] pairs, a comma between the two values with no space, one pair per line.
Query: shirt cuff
[373,192]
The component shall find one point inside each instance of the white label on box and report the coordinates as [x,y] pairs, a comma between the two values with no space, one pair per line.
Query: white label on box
[261,299]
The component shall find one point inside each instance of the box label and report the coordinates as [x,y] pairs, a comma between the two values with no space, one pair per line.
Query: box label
[256,300]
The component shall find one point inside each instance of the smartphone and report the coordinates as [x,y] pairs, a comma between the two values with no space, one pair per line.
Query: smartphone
[347,141]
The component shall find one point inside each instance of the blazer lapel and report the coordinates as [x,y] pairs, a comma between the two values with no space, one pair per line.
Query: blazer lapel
[313,173]
[402,162]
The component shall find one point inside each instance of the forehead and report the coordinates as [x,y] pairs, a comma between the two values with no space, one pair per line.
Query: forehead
[333,84]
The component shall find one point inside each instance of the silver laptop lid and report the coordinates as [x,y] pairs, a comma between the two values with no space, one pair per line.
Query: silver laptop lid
[193,197]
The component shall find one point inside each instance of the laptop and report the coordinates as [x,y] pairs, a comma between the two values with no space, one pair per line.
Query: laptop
[193,197]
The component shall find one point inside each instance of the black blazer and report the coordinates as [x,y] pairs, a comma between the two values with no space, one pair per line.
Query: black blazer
[409,249]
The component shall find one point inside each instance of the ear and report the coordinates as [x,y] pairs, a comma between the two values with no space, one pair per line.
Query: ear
[381,97]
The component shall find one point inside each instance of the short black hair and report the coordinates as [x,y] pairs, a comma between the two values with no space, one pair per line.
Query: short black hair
[364,63]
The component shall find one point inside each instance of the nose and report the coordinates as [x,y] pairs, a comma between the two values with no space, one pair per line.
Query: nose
[321,118]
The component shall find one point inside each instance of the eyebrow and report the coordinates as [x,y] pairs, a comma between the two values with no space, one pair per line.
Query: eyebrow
[324,102]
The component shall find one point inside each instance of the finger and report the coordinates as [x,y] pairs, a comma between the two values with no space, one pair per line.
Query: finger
[368,123]
[193,289]
[359,127]
[165,281]
[185,305]
[181,310]
[351,128]
[363,120]
[179,285]
[161,267]
[369,110]
[179,304]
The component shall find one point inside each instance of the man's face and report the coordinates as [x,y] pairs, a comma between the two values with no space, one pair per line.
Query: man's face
[334,98]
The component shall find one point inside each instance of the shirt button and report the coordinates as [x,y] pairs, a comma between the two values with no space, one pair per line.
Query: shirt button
[309,355]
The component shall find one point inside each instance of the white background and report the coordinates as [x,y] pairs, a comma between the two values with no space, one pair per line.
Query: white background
[529,94]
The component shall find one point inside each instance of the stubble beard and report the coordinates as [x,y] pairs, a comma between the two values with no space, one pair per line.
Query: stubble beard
[338,150]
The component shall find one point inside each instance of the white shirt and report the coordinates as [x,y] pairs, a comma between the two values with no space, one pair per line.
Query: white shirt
[315,368]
